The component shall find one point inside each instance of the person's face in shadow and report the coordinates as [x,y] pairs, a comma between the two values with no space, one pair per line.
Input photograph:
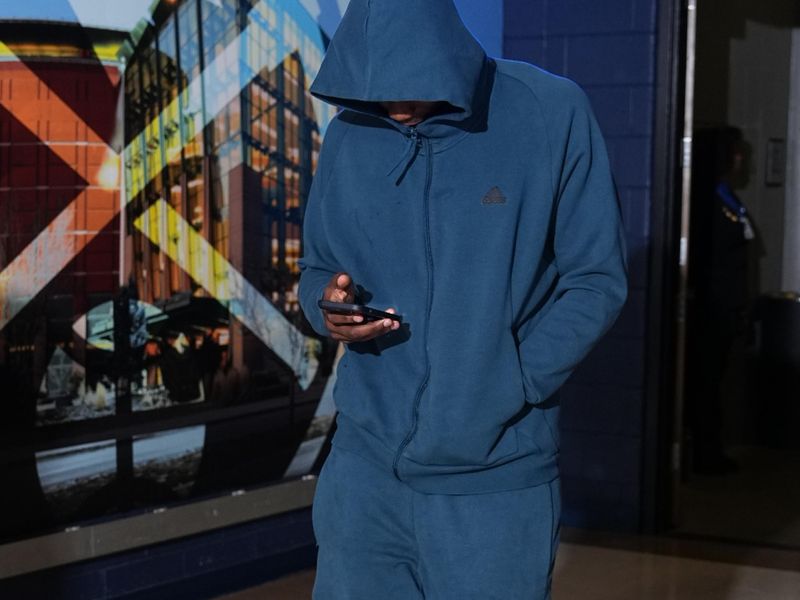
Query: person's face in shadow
[739,174]
[410,112]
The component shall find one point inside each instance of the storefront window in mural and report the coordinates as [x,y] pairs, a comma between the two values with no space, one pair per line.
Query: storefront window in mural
[152,185]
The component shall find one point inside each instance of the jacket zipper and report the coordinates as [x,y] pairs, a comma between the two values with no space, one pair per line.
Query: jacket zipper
[429,263]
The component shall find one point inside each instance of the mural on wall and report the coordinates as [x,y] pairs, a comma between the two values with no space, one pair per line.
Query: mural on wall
[152,187]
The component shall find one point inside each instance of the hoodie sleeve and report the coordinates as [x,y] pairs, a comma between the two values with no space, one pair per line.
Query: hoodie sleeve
[317,265]
[589,254]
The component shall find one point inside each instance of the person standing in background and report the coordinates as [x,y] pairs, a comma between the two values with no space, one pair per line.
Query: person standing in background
[721,234]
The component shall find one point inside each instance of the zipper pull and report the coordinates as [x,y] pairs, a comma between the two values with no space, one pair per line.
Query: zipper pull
[410,154]
[414,135]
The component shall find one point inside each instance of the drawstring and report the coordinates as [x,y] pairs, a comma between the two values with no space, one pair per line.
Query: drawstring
[412,146]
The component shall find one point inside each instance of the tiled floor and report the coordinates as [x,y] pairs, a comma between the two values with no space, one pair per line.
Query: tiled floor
[760,503]
[591,573]
[600,567]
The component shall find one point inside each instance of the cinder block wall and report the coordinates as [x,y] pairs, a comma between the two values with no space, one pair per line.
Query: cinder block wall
[609,49]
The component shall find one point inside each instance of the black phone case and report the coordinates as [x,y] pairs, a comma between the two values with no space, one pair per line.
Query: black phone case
[369,313]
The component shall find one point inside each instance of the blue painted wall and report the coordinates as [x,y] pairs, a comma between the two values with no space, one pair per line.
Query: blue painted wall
[609,49]
[484,18]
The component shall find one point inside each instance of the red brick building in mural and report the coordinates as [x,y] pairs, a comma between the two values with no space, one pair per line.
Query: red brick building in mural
[59,191]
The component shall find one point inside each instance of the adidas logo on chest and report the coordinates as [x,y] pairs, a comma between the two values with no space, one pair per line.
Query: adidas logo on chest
[494,196]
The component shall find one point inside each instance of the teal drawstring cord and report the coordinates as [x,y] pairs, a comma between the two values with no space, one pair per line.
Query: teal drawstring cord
[413,144]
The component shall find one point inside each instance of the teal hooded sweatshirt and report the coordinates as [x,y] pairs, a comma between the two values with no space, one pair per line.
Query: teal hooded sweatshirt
[493,227]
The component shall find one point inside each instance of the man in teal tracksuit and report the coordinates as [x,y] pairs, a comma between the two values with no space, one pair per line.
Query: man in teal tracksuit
[473,196]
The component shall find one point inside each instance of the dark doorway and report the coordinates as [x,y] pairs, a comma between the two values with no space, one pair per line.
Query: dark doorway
[740,473]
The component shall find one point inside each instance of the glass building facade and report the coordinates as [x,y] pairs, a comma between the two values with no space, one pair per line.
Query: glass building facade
[222,140]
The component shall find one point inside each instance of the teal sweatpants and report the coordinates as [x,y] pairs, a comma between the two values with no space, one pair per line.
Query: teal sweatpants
[378,538]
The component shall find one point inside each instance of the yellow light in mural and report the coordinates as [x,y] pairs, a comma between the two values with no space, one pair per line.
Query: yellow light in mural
[104,51]
[108,174]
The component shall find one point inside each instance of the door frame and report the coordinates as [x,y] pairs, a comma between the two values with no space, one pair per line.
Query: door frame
[661,449]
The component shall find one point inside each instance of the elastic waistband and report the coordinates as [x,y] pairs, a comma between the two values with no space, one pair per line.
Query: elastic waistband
[526,470]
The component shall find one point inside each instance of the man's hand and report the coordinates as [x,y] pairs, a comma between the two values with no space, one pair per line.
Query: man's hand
[346,328]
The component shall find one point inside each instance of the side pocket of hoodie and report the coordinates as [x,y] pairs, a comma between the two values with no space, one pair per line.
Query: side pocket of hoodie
[539,427]
[551,419]
[529,398]
[548,412]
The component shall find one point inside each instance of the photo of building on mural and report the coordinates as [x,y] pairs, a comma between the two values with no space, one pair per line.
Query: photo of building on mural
[153,187]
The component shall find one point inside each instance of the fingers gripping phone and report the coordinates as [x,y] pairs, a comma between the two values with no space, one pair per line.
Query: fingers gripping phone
[369,313]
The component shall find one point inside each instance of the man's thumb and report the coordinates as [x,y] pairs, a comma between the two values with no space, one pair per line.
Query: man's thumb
[342,281]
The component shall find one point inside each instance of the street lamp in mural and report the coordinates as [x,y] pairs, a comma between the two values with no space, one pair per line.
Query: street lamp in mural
[146,275]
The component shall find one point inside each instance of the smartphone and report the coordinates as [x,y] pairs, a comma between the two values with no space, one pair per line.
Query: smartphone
[369,313]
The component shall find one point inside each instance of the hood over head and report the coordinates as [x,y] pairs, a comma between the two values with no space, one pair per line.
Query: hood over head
[388,50]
